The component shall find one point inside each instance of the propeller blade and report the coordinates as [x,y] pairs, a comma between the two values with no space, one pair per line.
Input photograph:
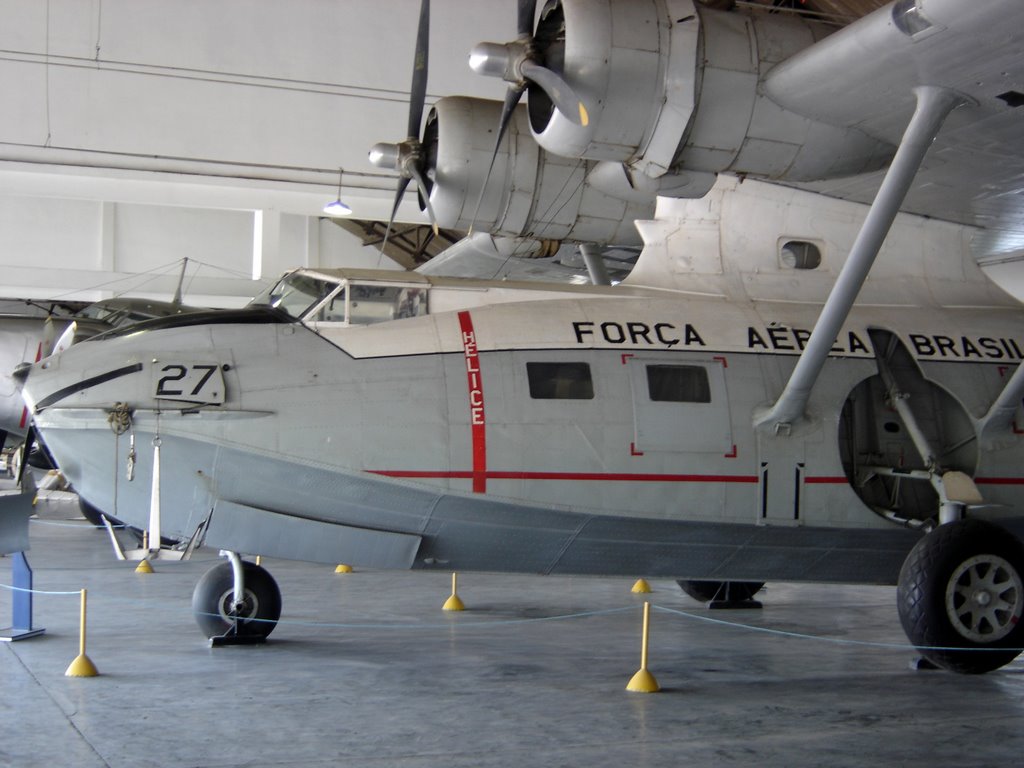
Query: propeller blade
[49,333]
[524,18]
[421,185]
[418,90]
[512,97]
[403,182]
[30,438]
[561,95]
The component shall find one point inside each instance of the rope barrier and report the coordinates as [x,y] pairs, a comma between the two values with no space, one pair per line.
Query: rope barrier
[498,623]
[825,638]
[446,625]
[37,591]
[73,524]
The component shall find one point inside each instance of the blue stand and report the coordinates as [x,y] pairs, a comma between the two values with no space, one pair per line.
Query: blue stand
[21,609]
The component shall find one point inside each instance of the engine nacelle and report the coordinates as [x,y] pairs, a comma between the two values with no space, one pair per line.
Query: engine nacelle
[530,193]
[672,86]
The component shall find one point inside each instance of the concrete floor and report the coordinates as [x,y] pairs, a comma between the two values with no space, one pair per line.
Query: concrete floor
[366,670]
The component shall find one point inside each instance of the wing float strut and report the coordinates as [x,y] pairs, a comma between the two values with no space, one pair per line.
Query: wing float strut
[933,105]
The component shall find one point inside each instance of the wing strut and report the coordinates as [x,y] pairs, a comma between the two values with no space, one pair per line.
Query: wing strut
[933,105]
[999,419]
[595,264]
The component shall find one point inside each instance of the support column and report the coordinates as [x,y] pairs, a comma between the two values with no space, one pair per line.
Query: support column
[266,242]
[595,264]
[21,609]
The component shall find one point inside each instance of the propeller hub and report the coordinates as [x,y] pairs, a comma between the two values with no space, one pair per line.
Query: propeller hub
[385,155]
[498,60]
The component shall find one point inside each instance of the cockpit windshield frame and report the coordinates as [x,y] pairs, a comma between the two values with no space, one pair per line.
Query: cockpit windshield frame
[363,301]
[298,294]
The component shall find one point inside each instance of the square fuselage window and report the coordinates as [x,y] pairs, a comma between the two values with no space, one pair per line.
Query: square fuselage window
[560,381]
[678,384]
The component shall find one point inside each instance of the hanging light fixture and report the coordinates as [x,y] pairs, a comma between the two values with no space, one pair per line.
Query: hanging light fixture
[336,207]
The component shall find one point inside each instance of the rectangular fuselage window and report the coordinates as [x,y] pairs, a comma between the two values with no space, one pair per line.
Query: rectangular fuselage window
[678,384]
[560,381]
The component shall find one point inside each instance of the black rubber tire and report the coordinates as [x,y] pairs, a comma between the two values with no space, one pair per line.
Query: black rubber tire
[733,591]
[928,604]
[215,590]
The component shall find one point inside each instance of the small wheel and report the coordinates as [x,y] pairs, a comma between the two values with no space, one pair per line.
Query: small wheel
[214,595]
[961,596]
[732,591]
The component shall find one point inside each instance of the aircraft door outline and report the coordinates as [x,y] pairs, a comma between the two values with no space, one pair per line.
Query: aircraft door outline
[680,405]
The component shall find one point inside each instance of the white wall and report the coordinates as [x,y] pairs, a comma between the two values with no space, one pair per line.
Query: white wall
[73,249]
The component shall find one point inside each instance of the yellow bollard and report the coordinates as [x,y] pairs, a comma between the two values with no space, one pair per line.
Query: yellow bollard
[643,681]
[453,603]
[144,566]
[641,587]
[81,666]
[342,568]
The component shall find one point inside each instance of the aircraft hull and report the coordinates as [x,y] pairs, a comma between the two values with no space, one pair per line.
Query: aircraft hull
[328,510]
[418,444]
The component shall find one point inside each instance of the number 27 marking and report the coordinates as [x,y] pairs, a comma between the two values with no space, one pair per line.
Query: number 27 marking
[181,371]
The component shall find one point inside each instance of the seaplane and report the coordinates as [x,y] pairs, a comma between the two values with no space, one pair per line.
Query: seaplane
[807,376]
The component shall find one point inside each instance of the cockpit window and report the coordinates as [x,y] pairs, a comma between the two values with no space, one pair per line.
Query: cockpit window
[334,310]
[295,294]
[370,303]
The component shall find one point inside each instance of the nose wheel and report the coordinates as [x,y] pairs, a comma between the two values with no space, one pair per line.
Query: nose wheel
[231,612]
[961,596]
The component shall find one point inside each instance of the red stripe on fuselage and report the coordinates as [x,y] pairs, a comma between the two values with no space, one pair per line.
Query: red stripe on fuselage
[623,477]
[629,477]
[477,416]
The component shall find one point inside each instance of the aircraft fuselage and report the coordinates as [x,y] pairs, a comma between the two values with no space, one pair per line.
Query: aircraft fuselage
[585,433]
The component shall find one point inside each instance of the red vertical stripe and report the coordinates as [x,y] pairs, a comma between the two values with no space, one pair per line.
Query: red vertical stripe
[477,418]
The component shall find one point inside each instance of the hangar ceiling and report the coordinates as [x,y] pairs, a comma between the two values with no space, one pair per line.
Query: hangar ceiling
[139,132]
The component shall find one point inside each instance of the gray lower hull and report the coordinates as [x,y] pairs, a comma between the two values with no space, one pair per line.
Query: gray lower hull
[322,514]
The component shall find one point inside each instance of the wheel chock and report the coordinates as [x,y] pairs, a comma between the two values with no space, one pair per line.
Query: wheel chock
[219,641]
[921,664]
[342,568]
[641,587]
[144,567]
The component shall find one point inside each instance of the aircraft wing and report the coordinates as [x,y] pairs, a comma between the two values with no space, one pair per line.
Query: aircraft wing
[679,97]
[864,75]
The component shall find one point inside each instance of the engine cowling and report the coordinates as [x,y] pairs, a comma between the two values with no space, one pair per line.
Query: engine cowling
[671,86]
[530,192]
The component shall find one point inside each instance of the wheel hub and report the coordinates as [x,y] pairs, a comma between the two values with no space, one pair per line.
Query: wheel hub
[231,610]
[984,598]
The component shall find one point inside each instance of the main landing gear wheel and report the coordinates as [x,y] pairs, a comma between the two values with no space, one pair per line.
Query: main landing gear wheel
[961,596]
[214,597]
[723,593]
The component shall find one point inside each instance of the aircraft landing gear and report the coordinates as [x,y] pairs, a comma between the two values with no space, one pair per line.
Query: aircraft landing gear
[723,594]
[236,602]
[961,596]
